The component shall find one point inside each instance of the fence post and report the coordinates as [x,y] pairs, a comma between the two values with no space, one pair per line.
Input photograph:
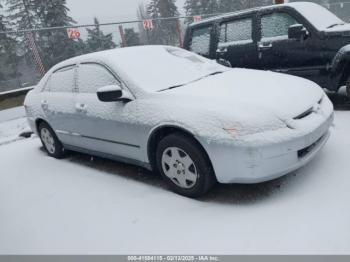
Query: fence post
[36,56]
[179,32]
[122,36]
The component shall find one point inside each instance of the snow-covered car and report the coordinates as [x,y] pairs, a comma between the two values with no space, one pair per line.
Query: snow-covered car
[173,111]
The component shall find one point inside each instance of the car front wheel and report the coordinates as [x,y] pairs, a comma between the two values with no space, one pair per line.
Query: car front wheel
[184,166]
[52,145]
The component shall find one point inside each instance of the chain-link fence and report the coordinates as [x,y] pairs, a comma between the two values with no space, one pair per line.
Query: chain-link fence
[35,52]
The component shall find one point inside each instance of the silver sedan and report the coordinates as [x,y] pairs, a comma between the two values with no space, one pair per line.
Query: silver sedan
[172,111]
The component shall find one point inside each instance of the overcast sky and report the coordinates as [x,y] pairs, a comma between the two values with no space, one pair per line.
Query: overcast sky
[84,11]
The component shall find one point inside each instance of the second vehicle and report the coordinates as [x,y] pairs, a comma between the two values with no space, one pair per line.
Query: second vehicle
[302,39]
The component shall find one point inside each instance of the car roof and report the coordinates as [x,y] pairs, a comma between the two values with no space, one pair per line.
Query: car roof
[107,55]
[293,5]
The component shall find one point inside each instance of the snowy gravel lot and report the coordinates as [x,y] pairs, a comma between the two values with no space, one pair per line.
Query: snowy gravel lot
[82,205]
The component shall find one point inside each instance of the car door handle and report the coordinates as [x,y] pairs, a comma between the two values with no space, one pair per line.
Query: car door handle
[221,50]
[44,104]
[264,46]
[82,108]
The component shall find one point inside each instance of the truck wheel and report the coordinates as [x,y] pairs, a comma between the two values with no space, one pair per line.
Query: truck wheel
[348,87]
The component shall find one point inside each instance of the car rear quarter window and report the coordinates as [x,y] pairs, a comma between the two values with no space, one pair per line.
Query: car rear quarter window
[236,32]
[91,77]
[200,42]
[276,25]
[62,80]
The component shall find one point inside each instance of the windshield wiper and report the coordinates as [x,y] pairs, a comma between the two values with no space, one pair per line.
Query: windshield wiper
[215,73]
[172,87]
[334,25]
[176,86]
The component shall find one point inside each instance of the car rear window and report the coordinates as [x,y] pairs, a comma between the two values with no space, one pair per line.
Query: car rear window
[62,80]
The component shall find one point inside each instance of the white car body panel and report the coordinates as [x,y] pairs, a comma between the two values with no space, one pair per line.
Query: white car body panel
[273,115]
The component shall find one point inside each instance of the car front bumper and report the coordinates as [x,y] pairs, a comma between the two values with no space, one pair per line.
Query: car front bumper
[249,163]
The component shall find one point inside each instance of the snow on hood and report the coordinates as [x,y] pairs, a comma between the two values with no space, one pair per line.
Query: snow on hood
[240,91]
[318,15]
[339,28]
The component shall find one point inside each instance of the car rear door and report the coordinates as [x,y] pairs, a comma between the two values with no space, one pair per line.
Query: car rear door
[279,53]
[237,42]
[103,126]
[57,102]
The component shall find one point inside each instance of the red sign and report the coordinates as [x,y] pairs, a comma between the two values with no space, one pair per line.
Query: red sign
[73,33]
[278,2]
[197,18]
[147,24]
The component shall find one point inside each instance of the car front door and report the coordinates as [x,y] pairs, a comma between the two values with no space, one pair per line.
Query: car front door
[103,126]
[278,52]
[236,42]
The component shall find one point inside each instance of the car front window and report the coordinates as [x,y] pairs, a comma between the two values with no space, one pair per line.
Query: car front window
[154,69]
[93,76]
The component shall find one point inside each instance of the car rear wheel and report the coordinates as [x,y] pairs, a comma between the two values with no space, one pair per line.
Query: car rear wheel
[184,166]
[52,145]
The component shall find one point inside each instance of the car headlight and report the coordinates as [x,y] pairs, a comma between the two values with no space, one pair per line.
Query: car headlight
[231,131]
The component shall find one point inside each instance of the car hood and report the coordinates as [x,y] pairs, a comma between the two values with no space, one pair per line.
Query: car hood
[283,96]
[339,29]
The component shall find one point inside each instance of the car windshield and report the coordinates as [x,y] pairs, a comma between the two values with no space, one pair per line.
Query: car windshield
[158,68]
[318,15]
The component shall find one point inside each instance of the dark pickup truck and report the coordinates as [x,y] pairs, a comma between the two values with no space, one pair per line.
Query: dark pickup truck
[303,39]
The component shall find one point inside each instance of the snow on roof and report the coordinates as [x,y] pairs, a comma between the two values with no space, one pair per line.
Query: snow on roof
[318,15]
[151,68]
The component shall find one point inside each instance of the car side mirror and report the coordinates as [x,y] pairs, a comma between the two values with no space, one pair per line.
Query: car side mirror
[112,93]
[297,32]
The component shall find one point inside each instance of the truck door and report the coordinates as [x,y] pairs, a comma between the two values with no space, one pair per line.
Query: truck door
[201,40]
[279,53]
[236,42]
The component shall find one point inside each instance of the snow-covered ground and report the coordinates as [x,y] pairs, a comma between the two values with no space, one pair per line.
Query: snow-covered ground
[81,205]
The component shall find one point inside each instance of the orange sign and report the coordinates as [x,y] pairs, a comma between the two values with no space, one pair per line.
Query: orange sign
[278,2]
[147,24]
[73,33]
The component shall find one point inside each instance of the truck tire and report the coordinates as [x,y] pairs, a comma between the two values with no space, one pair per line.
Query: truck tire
[348,87]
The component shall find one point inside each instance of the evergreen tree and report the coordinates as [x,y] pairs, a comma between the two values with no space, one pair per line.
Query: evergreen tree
[22,13]
[55,45]
[236,5]
[164,31]
[8,56]
[201,7]
[97,40]
[131,37]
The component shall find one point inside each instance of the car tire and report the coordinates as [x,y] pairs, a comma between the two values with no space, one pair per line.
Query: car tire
[52,145]
[184,166]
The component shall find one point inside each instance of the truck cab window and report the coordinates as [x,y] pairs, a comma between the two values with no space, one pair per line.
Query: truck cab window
[200,43]
[276,25]
[235,32]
